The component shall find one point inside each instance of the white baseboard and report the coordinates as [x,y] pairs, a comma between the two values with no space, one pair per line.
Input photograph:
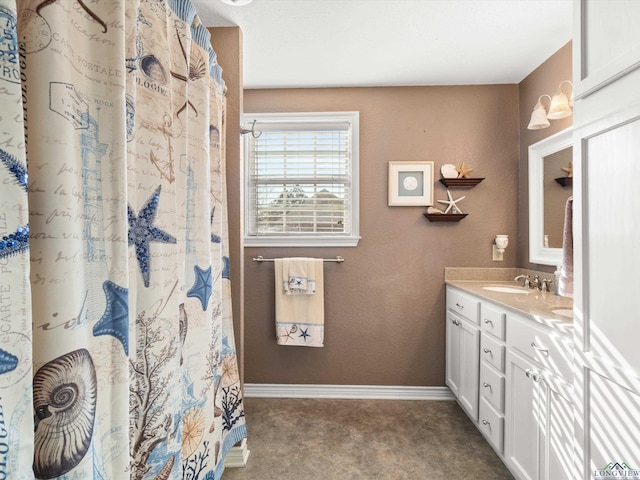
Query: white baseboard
[378,392]
[237,456]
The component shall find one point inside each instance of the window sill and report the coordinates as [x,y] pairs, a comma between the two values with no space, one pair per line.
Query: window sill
[301,241]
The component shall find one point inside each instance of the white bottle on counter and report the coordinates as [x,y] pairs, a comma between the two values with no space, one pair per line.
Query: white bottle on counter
[556,281]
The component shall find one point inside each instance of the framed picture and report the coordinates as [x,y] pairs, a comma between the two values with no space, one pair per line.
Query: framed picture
[410,184]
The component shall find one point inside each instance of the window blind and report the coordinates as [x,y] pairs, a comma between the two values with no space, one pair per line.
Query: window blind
[300,180]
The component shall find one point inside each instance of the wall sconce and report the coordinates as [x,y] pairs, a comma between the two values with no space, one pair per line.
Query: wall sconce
[500,244]
[560,106]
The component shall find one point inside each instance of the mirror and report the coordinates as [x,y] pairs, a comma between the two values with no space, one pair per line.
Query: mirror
[548,196]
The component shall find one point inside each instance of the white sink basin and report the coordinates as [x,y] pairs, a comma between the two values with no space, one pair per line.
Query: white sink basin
[502,289]
[564,312]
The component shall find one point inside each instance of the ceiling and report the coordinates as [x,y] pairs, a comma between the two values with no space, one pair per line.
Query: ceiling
[345,43]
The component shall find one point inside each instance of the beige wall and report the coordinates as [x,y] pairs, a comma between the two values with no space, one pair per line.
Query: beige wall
[227,43]
[385,304]
[544,79]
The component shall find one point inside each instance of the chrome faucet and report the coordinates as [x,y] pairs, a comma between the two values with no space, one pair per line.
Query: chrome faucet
[526,282]
[535,282]
[544,286]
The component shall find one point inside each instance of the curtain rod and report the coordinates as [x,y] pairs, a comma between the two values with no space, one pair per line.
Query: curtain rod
[259,258]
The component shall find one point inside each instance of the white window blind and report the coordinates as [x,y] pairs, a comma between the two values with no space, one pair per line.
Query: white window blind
[301,179]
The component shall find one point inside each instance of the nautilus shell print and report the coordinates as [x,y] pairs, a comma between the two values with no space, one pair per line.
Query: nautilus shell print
[64,397]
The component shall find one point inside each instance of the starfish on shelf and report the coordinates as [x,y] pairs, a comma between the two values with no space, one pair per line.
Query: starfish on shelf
[452,204]
[569,169]
[463,171]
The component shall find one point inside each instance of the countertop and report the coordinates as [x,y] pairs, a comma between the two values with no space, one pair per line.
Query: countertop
[536,304]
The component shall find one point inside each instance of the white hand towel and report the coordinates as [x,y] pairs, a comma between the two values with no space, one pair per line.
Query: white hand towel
[300,318]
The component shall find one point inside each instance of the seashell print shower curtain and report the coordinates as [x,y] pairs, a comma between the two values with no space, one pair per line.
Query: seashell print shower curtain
[117,356]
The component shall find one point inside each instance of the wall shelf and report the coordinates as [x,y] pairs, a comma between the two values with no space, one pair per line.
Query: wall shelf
[460,182]
[565,181]
[445,217]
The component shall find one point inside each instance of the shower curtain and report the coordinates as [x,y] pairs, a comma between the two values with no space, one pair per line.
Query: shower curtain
[117,356]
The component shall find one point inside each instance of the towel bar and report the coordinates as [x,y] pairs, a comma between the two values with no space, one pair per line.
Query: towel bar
[338,259]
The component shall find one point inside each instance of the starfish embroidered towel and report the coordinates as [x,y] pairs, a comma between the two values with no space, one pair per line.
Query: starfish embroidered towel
[298,276]
[300,318]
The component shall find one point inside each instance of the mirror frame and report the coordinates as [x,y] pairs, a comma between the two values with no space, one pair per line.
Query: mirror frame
[537,152]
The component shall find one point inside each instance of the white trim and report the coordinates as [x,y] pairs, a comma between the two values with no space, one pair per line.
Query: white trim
[537,152]
[380,392]
[347,118]
[311,241]
[238,455]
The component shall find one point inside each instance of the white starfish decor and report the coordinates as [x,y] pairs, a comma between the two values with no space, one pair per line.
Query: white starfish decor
[452,203]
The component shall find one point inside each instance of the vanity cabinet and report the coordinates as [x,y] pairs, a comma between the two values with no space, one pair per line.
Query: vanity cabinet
[513,377]
[539,406]
[462,350]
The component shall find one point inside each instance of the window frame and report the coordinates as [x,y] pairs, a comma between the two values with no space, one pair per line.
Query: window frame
[311,240]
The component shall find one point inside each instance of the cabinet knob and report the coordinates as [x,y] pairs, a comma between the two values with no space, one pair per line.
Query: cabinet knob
[541,350]
[532,374]
[486,350]
[487,321]
[484,422]
[486,385]
[461,307]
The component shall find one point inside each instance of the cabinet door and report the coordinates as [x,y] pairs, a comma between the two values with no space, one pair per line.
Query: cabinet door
[606,43]
[452,364]
[462,368]
[469,368]
[556,433]
[521,418]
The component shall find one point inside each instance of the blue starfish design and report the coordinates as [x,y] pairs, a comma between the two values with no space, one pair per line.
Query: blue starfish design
[142,231]
[214,238]
[14,243]
[8,362]
[18,170]
[298,283]
[202,286]
[304,334]
[115,320]
[226,268]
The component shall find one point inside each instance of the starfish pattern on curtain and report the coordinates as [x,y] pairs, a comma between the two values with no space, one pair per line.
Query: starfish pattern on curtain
[117,355]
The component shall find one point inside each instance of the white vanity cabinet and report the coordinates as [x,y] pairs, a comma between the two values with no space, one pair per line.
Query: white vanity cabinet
[513,377]
[539,406]
[462,349]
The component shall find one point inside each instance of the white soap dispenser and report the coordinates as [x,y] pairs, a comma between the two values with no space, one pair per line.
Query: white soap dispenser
[556,281]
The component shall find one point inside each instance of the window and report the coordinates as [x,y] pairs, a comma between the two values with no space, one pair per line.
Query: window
[302,179]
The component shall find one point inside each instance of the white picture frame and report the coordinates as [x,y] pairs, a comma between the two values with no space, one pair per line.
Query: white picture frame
[410,184]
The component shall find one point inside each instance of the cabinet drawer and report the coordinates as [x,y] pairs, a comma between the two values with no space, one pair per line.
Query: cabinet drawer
[492,352]
[492,387]
[491,424]
[550,350]
[463,304]
[492,320]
